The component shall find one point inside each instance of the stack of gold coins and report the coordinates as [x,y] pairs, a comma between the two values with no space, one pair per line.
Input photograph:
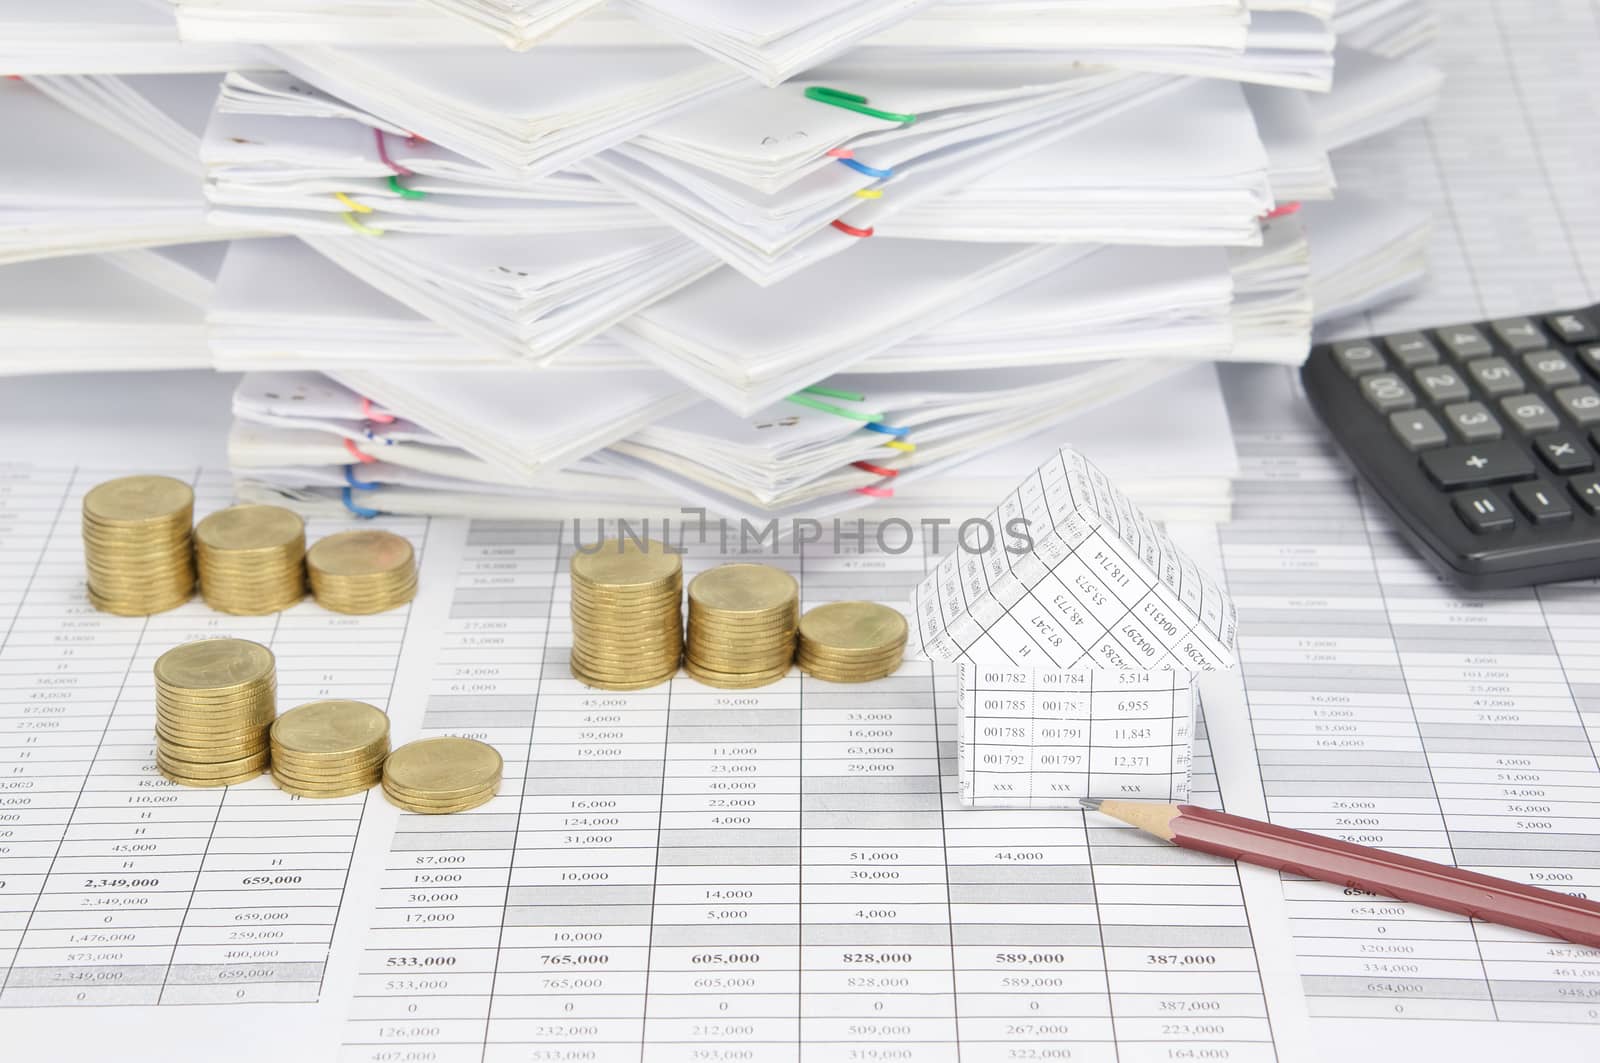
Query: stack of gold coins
[136,544]
[627,615]
[852,642]
[438,775]
[251,559]
[741,625]
[362,571]
[215,700]
[329,748]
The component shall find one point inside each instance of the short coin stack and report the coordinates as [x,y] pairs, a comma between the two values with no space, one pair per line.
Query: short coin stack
[439,775]
[329,748]
[852,642]
[742,621]
[215,701]
[137,546]
[362,571]
[627,615]
[251,559]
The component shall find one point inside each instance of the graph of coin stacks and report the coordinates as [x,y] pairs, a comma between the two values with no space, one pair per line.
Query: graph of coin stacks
[215,703]
[362,572]
[627,614]
[851,642]
[329,748]
[137,545]
[251,559]
[742,622]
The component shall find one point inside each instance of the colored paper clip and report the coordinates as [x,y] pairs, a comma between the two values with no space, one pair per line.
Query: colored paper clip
[902,446]
[383,153]
[850,230]
[828,407]
[360,226]
[841,153]
[1282,212]
[359,208]
[833,393]
[403,191]
[876,470]
[359,485]
[361,511]
[357,453]
[889,430]
[375,416]
[876,492]
[869,193]
[850,101]
[861,167]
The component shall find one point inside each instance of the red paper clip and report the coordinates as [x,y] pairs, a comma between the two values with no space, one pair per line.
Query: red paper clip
[375,416]
[1282,212]
[383,153]
[365,459]
[876,492]
[841,153]
[876,470]
[851,230]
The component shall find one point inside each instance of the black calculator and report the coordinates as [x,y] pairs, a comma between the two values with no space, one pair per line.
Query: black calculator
[1481,438]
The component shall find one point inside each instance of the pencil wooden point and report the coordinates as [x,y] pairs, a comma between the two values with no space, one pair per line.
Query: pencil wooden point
[1148,816]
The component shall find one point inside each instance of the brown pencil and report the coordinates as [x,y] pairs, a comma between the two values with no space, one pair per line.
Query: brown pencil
[1441,886]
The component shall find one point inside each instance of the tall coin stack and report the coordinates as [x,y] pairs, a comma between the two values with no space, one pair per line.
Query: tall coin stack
[627,615]
[329,748]
[215,701]
[137,546]
[362,571]
[439,775]
[852,642]
[251,559]
[742,621]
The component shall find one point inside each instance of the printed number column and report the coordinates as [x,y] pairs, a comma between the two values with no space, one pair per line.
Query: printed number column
[428,973]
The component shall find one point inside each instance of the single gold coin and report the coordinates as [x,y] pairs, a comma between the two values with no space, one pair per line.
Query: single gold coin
[329,729]
[214,666]
[137,500]
[440,768]
[624,563]
[364,552]
[249,529]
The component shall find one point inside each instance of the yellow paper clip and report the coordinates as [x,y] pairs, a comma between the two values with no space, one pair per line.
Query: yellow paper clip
[869,193]
[359,208]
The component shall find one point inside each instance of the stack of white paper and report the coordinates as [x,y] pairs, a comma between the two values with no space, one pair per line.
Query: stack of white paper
[107,37]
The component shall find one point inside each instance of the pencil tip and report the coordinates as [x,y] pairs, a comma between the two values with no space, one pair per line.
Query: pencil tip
[1090,802]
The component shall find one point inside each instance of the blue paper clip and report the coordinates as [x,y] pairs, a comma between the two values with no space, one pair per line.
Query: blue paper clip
[861,167]
[887,429]
[359,485]
[361,511]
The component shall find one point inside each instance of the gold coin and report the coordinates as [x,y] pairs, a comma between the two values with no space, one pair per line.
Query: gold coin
[836,676]
[854,627]
[426,808]
[623,563]
[364,552]
[321,793]
[206,769]
[439,768]
[214,666]
[760,637]
[735,680]
[208,783]
[330,729]
[743,588]
[137,500]
[119,606]
[604,683]
[250,529]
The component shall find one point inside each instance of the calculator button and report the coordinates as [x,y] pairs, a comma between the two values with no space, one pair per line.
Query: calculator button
[1387,392]
[1586,489]
[1475,466]
[1581,403]
[1590,356]
[1357,358]
[1412,349]
[1465,341]
[1564,453]
[1518,333]
[1573,327]
[1417,429]
[1442,384]
[1495,376]
[1473,421]
[1542,503]
[1551,369]
[1483,512]
[1530,414]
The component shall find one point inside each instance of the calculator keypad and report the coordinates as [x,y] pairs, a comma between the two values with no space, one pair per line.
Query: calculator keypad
[1490,428]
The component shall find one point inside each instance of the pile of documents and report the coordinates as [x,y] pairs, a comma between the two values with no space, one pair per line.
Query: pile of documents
[766,259]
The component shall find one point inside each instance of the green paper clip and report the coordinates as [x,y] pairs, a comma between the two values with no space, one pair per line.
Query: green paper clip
[833,393]
[406,193]
[852,102]
[828,407]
